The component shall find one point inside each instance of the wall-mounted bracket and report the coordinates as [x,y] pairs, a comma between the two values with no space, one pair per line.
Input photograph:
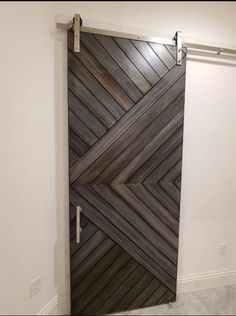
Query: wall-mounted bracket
[73,25]
[77,25]
[179,43]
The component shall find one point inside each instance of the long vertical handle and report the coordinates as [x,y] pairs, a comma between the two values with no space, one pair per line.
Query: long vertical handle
[78,228]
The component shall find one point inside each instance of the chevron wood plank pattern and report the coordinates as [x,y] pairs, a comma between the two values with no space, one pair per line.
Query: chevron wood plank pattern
[126,111]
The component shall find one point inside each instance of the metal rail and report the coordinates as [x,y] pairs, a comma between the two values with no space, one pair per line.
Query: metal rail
[177,41]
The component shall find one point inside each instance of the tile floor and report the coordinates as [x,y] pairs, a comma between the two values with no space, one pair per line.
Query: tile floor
[219,301]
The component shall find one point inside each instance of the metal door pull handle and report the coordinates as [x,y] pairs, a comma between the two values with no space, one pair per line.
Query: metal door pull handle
[78,228]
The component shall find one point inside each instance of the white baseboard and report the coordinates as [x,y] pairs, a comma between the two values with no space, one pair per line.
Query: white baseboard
[188,283]
[197,282]
[52,308]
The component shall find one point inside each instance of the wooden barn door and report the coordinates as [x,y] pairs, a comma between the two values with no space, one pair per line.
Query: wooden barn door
[126,110]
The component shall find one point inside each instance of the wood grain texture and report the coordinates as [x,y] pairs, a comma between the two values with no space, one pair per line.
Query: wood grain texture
[126,111]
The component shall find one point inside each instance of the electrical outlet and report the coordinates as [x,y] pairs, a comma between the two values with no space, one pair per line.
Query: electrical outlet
[35,286]
[223,248]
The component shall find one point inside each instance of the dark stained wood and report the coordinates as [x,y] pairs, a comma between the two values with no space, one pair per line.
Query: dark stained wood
[124,62]
[156,296]
[160,194]
[78,146]
[163,54]
[88,280]
[136,290]
[100,283]
[126,139]
[163,168]
[116,281]
[122,290]
[86,249]
[89,100]
[138,60]
[167,297]
[122,207]
[88,231]
[127,120]
[81,129]
[145,294]
[94,86]
[91,262]
[151,57]
[126,243]
[73,156]
[113,68]
[146,152]
[89,119]
[126,111]
[171,141]
[151,202]
[167,243]
[102,75]
[156,133]
[167,182]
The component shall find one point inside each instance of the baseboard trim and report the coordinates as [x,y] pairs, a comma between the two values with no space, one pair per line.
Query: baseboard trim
[187,283]
[203,281]
[52,308]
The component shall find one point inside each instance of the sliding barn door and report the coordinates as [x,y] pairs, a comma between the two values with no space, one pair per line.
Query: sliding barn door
[126,110]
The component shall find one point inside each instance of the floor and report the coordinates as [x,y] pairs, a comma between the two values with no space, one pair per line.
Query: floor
[220,301]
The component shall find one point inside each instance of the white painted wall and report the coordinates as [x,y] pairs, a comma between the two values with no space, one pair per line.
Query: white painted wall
[208,208]
[33,124]
[27,158]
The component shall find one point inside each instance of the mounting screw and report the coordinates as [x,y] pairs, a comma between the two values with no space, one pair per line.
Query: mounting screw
[220,51]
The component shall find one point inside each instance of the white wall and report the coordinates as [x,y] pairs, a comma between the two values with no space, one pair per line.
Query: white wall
[33,120]
[208,208]
[27,158]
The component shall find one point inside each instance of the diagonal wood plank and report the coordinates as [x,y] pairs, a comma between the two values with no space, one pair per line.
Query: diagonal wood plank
[121,291]
[158,131]
[164,54]
[90,101]
[111,66]
[126,113]
[89,119]
[126,121]
[159,155]
[105,78]
[128,137]
[81,129]
[153,59]
[124,62]
[114,233]
[82,270]
[117,280]
[157,191]
[167,245]
[78,146]
[138,60]
[99,284]
[133,217]
[96,88]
